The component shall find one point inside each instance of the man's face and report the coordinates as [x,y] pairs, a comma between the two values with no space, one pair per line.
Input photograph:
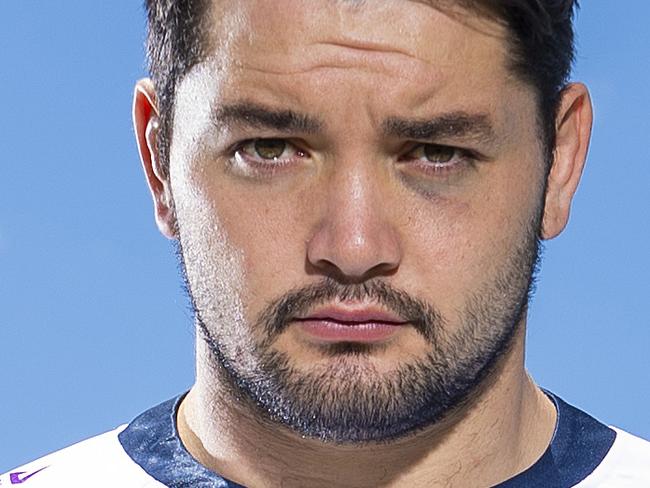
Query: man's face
[358,192]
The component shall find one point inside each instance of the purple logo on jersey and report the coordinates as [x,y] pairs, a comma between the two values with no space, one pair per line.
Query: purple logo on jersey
[22,476]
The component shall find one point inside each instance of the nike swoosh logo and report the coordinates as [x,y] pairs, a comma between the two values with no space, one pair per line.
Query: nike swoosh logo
[16,478]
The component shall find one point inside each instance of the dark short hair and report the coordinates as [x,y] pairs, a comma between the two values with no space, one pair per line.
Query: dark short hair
[541,51]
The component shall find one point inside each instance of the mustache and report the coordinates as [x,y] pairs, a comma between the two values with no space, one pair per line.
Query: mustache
[277,316]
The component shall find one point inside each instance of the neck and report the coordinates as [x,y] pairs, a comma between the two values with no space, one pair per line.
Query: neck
[500,432]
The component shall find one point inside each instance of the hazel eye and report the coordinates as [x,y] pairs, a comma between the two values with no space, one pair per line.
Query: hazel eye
[269,151]
[265,157]
[439,154]
[439,160]
[270,148]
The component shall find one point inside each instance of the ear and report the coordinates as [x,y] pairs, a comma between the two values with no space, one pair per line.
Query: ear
[573,131]
[146,124]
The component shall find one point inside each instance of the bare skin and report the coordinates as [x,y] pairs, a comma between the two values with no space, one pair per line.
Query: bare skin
[475,447]
[351,202]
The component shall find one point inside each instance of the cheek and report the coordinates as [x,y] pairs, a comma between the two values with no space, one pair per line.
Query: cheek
[261,233]
[456,247]
[214,266]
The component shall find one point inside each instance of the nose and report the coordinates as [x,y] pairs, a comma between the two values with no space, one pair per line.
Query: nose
[355,239]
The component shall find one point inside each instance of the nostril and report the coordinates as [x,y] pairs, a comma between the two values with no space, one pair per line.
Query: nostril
[326,269]
[355,237]
[352,264]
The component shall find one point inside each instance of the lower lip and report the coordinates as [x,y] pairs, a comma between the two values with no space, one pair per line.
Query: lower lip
[330,331]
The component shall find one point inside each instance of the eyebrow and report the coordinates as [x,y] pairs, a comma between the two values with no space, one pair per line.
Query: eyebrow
[254,115]
[452,125]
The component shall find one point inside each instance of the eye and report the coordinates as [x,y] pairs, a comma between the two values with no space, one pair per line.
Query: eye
[264,156]
[275,150]
[438,158]
[439,154]
[269,148]
[435,153]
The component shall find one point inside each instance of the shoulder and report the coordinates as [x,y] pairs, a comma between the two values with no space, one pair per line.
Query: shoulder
[98,462]
[626,465]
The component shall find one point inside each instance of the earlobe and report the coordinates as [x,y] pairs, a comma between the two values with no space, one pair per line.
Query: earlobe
[573,132]
[147,126]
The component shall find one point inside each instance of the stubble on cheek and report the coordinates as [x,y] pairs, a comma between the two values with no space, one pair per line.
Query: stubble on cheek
[214,268]
[214,274]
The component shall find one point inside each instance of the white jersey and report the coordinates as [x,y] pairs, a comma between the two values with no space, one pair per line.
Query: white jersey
[100,462]
[148,453]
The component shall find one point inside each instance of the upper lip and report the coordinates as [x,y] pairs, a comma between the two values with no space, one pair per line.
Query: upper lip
[358,315]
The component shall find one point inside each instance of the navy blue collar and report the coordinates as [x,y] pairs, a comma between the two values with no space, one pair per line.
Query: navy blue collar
[579,445]
[152,441]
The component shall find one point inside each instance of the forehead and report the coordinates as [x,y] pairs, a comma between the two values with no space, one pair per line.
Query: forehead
[416,39]
[428,30]
[347,60]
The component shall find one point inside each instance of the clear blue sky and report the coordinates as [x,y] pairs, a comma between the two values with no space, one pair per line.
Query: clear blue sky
[94,327]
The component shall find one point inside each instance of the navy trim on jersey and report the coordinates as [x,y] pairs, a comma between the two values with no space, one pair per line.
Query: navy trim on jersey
[152,441]
[579,445]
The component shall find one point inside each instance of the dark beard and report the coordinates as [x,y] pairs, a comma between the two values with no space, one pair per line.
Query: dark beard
[348,400]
